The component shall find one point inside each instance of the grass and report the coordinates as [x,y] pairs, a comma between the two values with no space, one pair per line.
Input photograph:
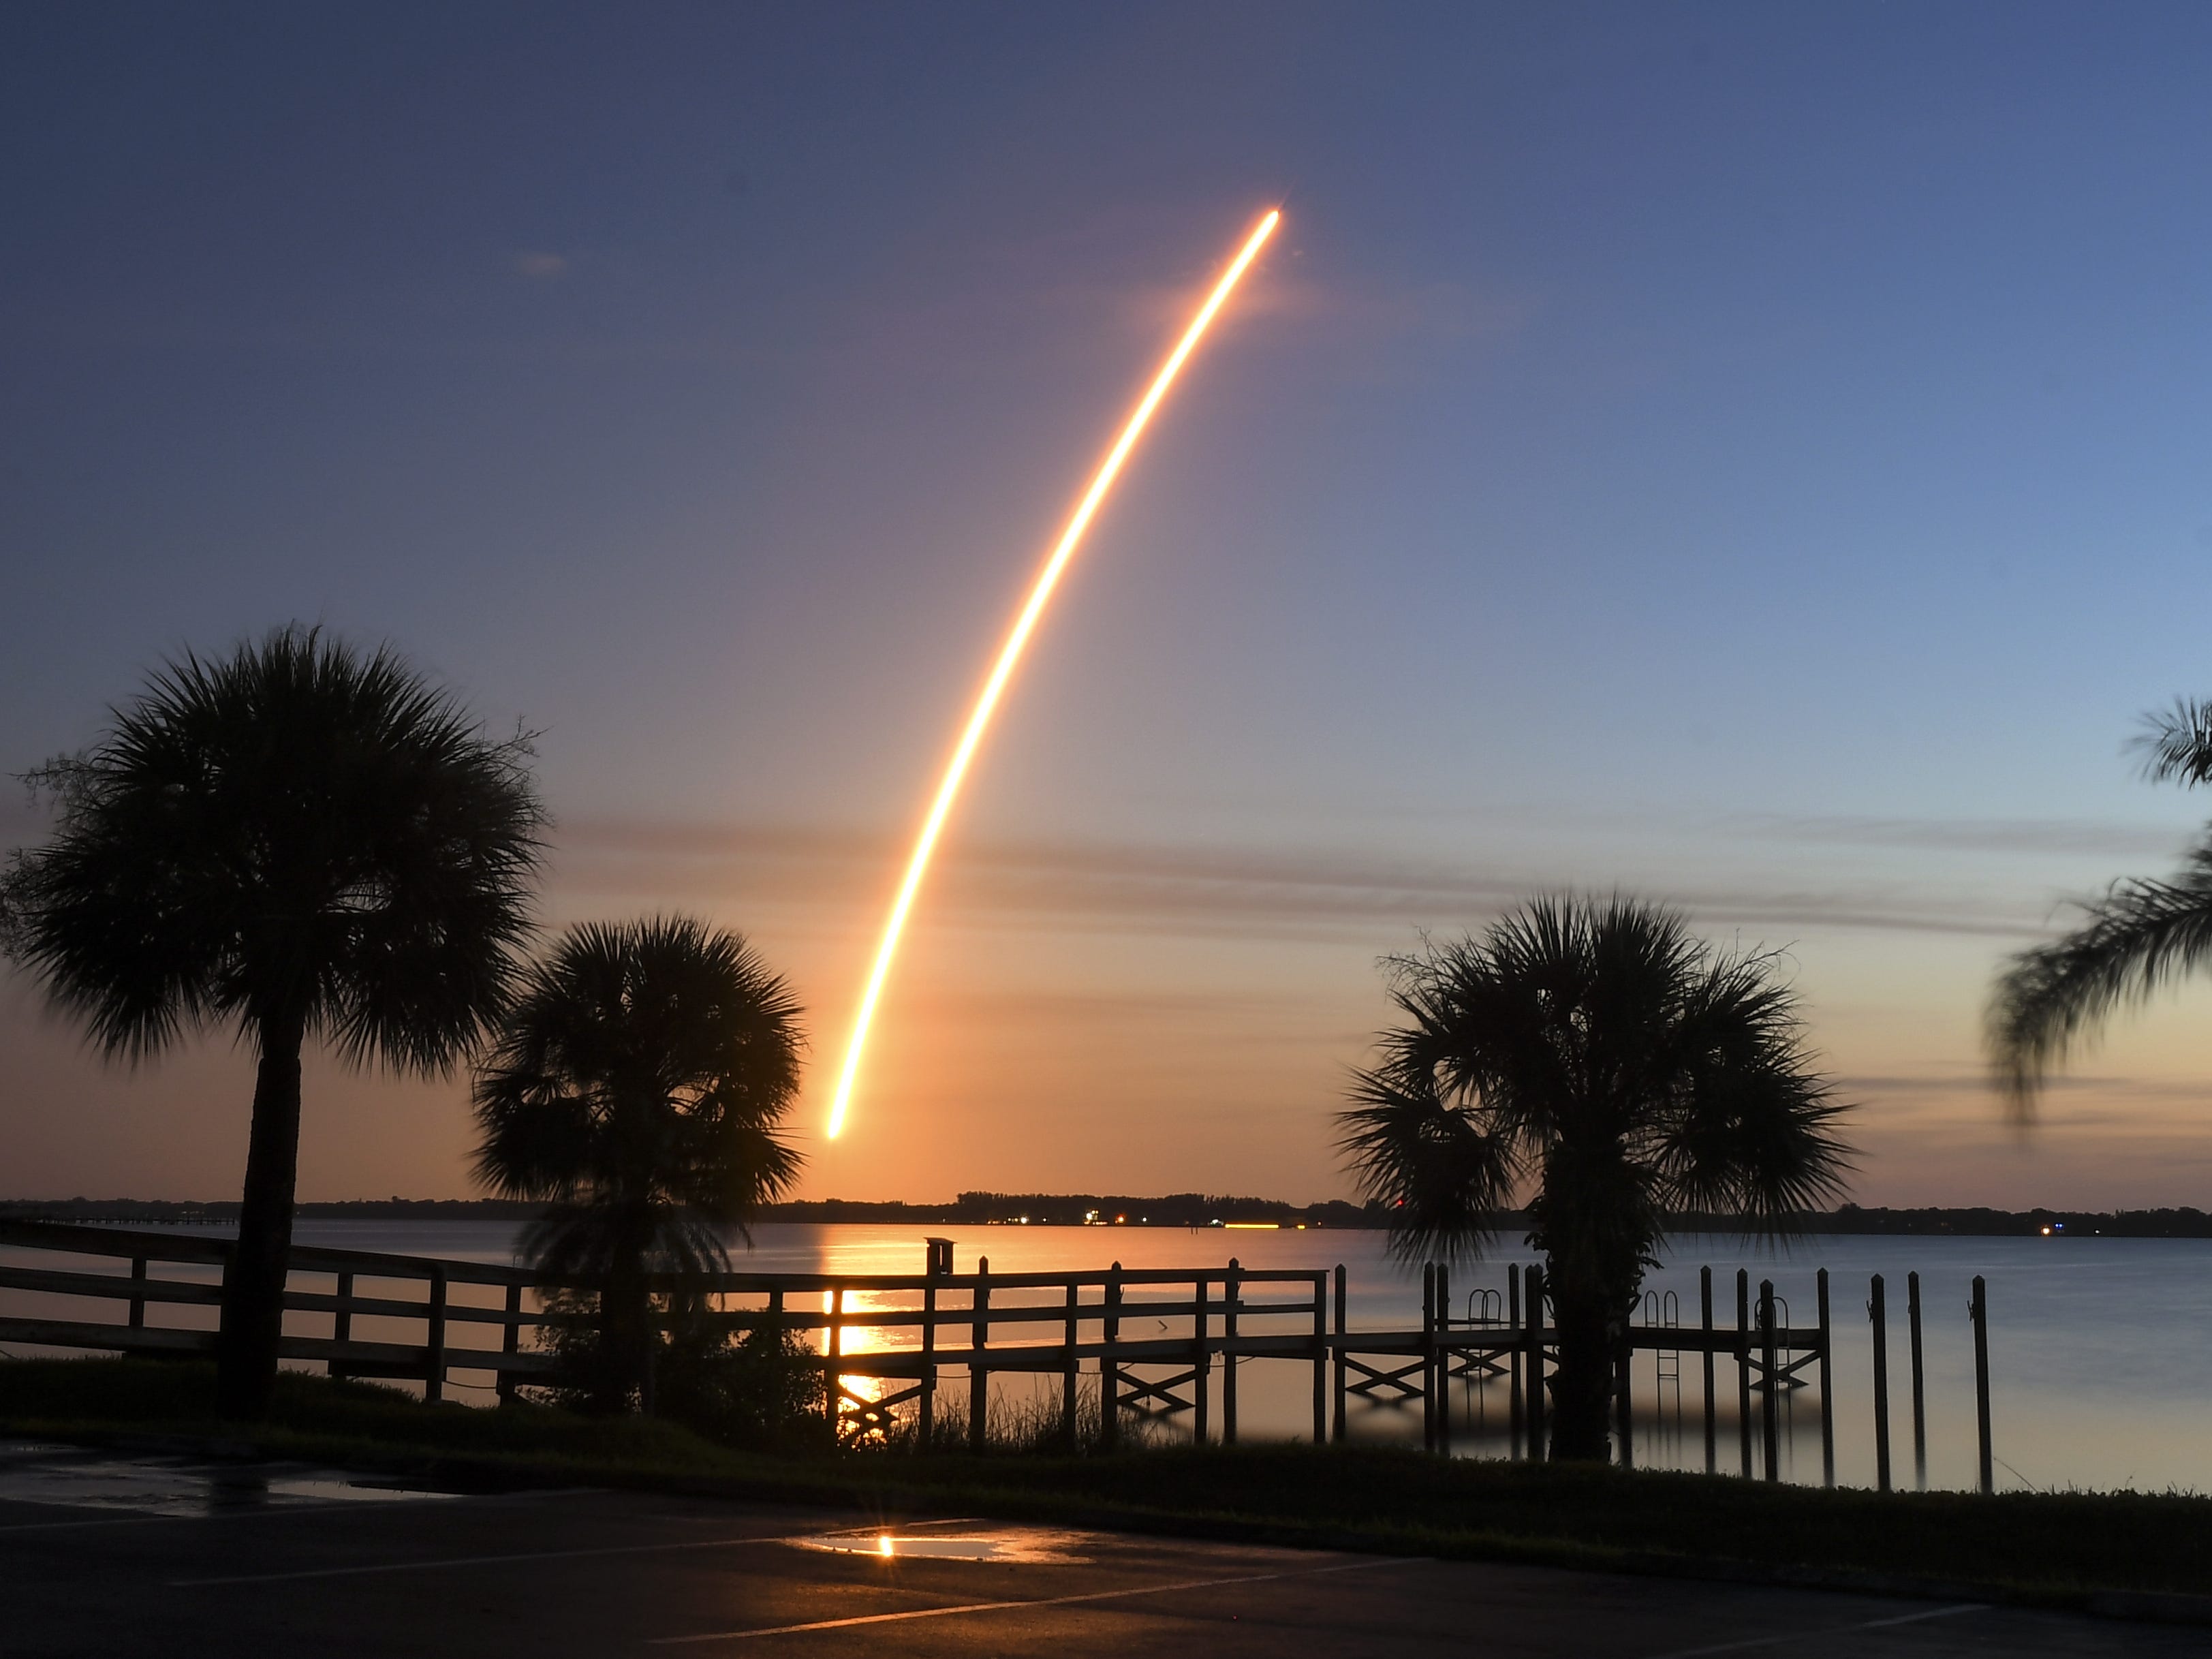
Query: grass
[2059,1548]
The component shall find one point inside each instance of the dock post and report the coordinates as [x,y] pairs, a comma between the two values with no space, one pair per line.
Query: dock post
[1428,1356]
[342,1323]
[510,1341]
[1069,1375]
[1623,1409]
[1979,1311]
[1444,1358]
[979,1338]
[1537,1448]
[1828,1389]
[1228,1293]
[433,1382]
[1705,1320]
[1343,1362]
[1769,1405]
[1743,1364]
[1201,1362]
[1878,1311]
[1109,1365]
[1513,1392]
[138,1292]
[1321,1360]
[833,1380]
[926,1408]
[1919,1398]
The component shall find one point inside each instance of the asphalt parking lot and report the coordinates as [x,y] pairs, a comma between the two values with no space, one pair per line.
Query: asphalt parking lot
[102,1555]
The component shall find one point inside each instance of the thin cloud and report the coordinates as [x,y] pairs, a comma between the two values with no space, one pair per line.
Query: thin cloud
[539,266]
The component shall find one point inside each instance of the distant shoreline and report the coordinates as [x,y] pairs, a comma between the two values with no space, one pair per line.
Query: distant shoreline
[1182,1210]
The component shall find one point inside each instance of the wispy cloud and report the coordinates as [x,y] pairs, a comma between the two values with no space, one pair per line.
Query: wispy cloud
[2031,836]
[540,265]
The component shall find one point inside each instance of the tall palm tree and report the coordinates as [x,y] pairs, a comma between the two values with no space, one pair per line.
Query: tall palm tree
[295,842]
[2138,938]
[1598,1054]
[637,1089]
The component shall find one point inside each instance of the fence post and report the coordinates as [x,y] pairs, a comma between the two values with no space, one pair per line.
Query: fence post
[1516,1426]
[1743,1364]
[434,1384]
[1229,1299]
[1068,1375]
[1537,1448]
[979,1377]
[1979,1311]
[1201,1326]
[510,1340]
[1705,1320]
[1321,1360]
[1878,1311]
[833,1379]
[926,1411]
[138,1292]
[1828,1389]
[1444,1358]
[1919,1398]
[1343,1362]
[1769,1405]
[1109,1365]
[1428,1356]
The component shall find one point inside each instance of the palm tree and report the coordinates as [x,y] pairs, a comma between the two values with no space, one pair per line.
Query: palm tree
[1626,1071]
[2138,938]
[295,842]
[636,1089]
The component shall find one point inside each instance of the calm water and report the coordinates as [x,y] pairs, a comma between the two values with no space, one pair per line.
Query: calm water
[2100,1349]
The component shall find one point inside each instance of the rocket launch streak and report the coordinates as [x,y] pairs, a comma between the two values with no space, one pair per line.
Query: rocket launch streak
[1010,655]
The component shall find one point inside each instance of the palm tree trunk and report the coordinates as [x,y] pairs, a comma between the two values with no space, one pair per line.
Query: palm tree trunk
[1581,1385]
[254,1285]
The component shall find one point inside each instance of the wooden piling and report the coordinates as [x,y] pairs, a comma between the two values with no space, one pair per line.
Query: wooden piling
[832,1380]
[1428,1356]
[1513,1391]
[1321,1358]
[925,1406]
[342,1322]
[979,1375]
[1201,1362]
[1229,1296]
[1537,1450]
[1743,1364]
[138,1292]
[510,1341]
[1109,1365]
[1827,1387]
[1979,1311]
[1070,1372]
[1443,1358]
[1878,1311]
[1919,1396]
[1705,1323]
[1343,1364]
[434,1384]
[1769,1404]
[1623,1409]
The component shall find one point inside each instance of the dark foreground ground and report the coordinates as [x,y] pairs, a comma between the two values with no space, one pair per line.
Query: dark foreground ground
[109,1554]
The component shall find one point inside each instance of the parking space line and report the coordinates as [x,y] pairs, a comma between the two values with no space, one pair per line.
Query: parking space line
[1833,1630]
[1036,1602]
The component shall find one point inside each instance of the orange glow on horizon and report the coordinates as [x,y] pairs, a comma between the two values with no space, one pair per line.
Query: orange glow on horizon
[1010,654]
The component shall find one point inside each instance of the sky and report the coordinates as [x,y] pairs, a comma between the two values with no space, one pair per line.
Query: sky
[1750,457]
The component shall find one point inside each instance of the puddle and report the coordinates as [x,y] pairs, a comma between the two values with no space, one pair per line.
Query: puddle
[1013,1546]
[75,1478]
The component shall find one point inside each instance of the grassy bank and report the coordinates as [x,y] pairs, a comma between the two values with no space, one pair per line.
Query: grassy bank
[2054,1547]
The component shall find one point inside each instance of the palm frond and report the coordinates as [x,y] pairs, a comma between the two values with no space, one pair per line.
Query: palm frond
[2176,743]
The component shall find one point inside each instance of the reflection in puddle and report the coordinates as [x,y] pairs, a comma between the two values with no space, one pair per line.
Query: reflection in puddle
[177,1485]
[1014,1546]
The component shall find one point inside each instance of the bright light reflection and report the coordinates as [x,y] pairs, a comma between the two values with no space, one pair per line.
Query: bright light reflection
[1010,654]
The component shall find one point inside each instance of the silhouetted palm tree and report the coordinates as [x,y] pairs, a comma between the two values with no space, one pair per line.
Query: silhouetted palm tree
[296,842]
[2139,937]
[637,1089]
[1598,1054]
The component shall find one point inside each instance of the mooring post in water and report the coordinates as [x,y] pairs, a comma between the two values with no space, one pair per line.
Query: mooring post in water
[1919,1396]
[1978,1309]
[1827,1389]
[979,1338]
[1201,1359]
[1537,1449]
[1109,1365]
[1770,1403]
[1321,1358]
[1513,1324]
[1229,1354]
[1878,1311]
[1343,1363]
[1743,1364]
[1428,1356]
[1706,1318]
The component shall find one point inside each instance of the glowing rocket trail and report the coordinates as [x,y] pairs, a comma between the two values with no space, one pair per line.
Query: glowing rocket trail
[1010,654]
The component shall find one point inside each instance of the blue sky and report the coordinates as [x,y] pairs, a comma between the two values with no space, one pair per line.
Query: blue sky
[1749,455]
